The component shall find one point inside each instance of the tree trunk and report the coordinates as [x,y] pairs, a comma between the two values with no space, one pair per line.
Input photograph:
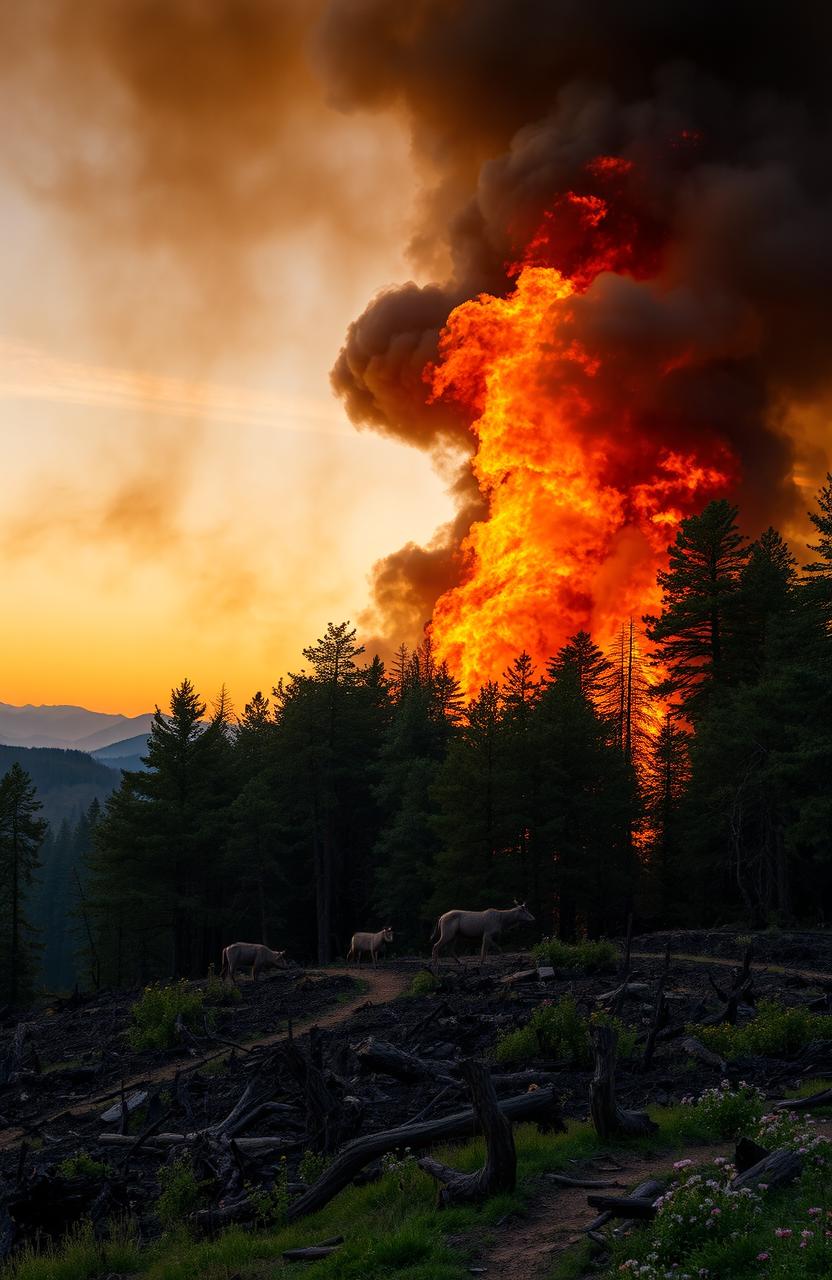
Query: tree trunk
[499,1173]
[610,1120]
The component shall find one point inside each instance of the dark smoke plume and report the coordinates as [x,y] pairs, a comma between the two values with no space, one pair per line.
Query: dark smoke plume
[724,112]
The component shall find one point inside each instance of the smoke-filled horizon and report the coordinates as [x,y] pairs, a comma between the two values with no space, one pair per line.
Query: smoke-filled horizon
[199,200]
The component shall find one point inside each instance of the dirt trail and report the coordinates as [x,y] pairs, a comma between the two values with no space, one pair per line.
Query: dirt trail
[383,985]
[557,1216]
[758,966]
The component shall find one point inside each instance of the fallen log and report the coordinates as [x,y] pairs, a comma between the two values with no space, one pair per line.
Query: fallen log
[378,1055]
[823,1098]
[539,1105]
[499,1173]
[312,1251]
[116,1111]
[586,1184]
[776,1170]
[641,1208]
[648,1190]
[275,1142]
[695,1049]
[611,1120]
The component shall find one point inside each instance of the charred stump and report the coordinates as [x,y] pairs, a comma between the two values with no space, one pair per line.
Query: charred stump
[499,1173]
[611,1120]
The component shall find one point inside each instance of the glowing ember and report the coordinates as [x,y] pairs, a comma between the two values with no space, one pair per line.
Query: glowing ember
[583,500]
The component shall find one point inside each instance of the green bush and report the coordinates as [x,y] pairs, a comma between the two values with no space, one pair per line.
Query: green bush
[559,1031]
[154,1015]
[423,984]
[589,957]
[82,1165]
[271,1205]
[180,1192]
[217,991]
[312,1165]
[775,1032]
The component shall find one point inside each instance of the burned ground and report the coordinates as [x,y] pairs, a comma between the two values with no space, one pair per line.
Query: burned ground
[246,1115]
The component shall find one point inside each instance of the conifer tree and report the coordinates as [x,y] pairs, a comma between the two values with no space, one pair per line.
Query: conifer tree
[22,835]
[692,635]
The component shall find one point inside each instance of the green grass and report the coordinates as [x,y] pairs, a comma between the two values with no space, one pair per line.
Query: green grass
[424,983]
[391,1228]
[589,957]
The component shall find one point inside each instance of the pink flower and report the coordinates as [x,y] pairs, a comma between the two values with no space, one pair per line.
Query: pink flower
[715,1213]
[815,1211]
[763,1257]
[682,1164]
[782,1233]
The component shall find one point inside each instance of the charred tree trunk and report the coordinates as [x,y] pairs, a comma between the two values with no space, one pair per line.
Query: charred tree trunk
[499,1173]
[610,1120]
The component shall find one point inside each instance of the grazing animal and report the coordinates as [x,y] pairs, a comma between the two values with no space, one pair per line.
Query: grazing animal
[250,953]
[372,942]
[477,924]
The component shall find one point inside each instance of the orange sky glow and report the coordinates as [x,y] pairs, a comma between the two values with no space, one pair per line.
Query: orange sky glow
[181,493]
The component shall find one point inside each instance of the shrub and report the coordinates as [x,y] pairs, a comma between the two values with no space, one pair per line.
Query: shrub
[271,1205]
[559,1031]
[154,1015]
[180,1192]
[590,957]
[217,991]
[424,983]
[776,1031]
[312,1165]
[82,1165]
[729,1113]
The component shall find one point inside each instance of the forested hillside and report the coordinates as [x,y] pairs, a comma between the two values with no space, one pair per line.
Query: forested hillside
[67,782]
[690,786]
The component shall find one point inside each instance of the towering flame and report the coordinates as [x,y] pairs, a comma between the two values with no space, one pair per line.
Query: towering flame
[583,486]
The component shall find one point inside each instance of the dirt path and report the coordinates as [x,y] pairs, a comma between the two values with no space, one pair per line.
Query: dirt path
[758,966]
[557,1216]
[383,985]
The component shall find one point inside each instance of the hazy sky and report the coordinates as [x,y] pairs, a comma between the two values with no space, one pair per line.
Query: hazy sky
[184,244]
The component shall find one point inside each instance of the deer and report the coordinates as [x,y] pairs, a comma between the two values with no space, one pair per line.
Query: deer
[486,924]
[372,942]
[250,953]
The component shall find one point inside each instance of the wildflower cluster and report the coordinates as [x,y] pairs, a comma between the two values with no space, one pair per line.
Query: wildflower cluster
[727,1112]
[695,1213]
[791,1131]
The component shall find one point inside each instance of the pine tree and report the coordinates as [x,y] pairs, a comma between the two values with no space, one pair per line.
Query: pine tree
[820,571]
[22,834]
[666,776]
[692,634]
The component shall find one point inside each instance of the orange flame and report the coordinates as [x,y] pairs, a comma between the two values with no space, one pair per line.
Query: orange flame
[582,501]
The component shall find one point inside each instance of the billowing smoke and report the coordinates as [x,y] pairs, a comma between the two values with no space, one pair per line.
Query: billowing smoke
[717,328]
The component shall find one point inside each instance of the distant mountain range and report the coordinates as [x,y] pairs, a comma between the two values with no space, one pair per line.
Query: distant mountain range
[71,728]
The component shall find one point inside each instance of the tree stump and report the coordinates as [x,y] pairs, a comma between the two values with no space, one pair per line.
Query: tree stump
[499,1173]
[610,1120]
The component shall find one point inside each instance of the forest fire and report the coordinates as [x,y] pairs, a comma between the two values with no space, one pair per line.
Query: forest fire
[584,476]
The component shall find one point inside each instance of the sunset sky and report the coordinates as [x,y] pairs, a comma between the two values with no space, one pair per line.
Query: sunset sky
[181,493]
[211,207]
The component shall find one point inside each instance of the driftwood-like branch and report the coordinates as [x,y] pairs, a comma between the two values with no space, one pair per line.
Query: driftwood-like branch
[499,1173]
[539,1105]
[609,1118]
[648,1190]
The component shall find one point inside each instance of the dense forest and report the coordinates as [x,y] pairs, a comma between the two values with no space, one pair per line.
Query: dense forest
[684,776]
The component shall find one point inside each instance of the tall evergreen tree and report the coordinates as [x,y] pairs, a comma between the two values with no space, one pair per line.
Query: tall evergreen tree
[692,634]
[22,834]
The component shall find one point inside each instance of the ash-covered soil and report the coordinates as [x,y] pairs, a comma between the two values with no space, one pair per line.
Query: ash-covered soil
[329,1086]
